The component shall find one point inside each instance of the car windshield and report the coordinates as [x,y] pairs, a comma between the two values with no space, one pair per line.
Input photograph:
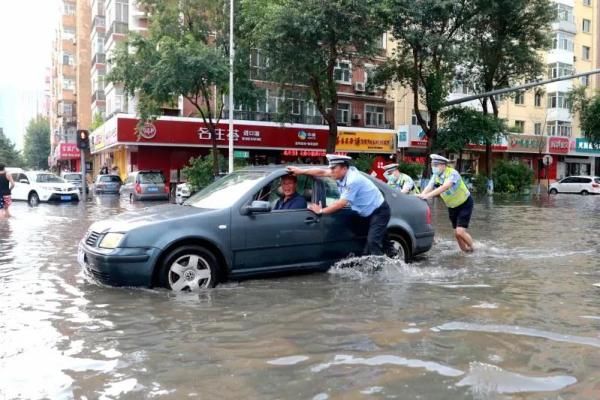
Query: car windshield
[109,178]
[72,177]
[226,191]
[152,177]
[49,178]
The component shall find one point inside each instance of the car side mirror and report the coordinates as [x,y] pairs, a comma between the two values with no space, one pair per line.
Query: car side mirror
[257,206]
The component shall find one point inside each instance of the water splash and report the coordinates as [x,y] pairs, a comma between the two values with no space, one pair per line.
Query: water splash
[291,360]
[486,378]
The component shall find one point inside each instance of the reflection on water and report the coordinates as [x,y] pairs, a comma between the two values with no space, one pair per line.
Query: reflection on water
[519,317]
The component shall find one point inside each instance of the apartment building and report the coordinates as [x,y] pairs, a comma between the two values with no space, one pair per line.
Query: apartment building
[540,120]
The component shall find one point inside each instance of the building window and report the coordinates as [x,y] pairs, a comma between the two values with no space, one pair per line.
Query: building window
[565,13]
[258,65]
[68,33]
[381,42]
[68,84]
[520,98]
[585,81]
[538,99]
[559,128]
[122,11]
[424,114]
[68,8]
[98,45]
[537,128]
[343,72]
[520,126]
[587,3]
[563,41]
[586,26]
[67,110]
[374,115]
[557,100]
[343,113]
[557,70]
[585,52]
[68,59]
[461,88]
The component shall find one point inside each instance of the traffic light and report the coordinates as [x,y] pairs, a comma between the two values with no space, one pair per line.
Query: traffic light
[83,139]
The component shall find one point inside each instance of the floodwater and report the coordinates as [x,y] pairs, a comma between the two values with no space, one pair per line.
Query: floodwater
[518,319]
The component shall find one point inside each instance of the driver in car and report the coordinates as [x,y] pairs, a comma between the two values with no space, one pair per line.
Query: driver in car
[291,200]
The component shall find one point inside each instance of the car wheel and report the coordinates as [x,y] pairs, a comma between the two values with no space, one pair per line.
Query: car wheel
[33,199]
[584,192]
[398,248]
[553,191]
[189,268]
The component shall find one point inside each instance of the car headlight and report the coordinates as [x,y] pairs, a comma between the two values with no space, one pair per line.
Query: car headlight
[111,240]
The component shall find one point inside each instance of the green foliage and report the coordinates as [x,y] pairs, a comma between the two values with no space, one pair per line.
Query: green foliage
[512,177]
[97,122]
[9,155]
[413,170]
[303,39]
[588,109]
[37,143]
[364,162]
[183,54]
[466,125]
[199,171]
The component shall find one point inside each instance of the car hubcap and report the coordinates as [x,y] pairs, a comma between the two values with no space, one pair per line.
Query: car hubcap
[396,250]
[189,273]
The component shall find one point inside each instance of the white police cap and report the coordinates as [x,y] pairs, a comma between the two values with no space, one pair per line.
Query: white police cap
[335,159]
[437,159]
[390,167]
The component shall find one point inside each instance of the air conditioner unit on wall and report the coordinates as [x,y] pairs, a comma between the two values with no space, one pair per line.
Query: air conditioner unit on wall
[356,117]
[359,86]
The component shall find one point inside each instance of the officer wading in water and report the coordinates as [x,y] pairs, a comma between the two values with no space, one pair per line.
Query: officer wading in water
[358,192]
[398,180]
[449,185]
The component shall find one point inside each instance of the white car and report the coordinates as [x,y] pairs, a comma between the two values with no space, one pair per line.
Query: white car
[37,186]
[576,184]
[183,192]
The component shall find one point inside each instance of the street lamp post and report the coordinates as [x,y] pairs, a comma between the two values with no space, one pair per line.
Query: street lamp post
[231,59]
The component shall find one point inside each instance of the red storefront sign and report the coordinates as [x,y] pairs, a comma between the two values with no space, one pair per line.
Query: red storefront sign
[68,151]
[559,145]
[171,132]
[495,147]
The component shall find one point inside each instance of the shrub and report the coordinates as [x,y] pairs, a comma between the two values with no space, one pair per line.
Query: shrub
[480,182]
[364,162]
[512,177]
[413,170]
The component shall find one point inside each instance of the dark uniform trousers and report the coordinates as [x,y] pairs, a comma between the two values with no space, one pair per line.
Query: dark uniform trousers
[378,222]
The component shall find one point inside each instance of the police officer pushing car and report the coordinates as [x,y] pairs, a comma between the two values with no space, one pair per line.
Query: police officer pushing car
[358,192]
[398,180]
[449,185]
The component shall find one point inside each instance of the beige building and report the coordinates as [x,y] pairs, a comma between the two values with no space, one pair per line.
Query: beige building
[542,113]
[70,92]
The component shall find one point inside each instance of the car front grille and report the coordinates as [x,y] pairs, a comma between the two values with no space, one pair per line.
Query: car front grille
[92,239]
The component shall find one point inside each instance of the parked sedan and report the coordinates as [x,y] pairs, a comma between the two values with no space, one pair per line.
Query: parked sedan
[37,186]
[145,185]
[107,184]
[229,230]
[75,179]
[576,184]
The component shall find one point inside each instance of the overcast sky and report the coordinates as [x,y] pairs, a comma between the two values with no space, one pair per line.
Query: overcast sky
[26,32]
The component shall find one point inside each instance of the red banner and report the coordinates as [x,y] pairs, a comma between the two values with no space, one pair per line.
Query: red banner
[245,135]
[68,151]
[559,145]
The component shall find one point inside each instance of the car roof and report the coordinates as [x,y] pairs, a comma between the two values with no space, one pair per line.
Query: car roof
[277,167]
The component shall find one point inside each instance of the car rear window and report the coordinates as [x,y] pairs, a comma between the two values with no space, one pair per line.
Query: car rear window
[597,180]
[72,177]
[151,177]
[110,178]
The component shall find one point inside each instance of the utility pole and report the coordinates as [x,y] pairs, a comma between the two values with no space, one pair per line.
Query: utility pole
[231,60]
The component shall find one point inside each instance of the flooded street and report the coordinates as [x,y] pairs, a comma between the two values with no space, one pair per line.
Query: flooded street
[519,318]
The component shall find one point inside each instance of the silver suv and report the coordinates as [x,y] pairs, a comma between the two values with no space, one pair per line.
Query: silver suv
[146,185]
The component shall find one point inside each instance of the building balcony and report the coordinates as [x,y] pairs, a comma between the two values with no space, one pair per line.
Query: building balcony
[99,58]
[99,22]
[274,117]
[98,95]
[118,27]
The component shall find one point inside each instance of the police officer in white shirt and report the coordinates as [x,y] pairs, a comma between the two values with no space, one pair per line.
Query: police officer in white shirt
[358,192]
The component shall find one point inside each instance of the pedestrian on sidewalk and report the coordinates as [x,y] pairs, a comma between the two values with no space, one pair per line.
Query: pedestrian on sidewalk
[6,185]
[358,192]
[449,185]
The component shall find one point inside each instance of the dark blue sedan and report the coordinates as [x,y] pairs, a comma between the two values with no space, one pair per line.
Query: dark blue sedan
[229,230]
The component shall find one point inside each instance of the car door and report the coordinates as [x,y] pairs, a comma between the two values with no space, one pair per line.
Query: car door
[278,239]
[344,232]
[585,184]
[567,185]
[21,189]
